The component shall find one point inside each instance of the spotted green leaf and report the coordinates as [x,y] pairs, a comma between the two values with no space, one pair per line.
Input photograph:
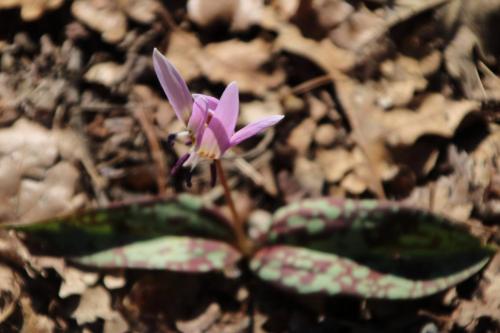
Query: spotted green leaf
[384,237]
[312,272]
[176,253]
[119,225]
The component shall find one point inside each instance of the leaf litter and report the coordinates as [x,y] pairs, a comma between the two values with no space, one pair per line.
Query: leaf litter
[393,99]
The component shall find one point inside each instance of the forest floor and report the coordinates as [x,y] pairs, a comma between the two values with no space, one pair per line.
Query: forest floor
[382,99]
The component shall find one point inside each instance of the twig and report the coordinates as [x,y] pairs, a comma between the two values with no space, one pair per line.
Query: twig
[142,116]
[311,84]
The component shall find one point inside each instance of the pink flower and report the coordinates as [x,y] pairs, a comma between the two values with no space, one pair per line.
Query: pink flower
[210,123]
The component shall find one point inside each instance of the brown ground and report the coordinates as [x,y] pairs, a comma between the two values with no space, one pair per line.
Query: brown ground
[382,99]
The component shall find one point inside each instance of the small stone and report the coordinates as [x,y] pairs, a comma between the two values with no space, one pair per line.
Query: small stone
[325,135]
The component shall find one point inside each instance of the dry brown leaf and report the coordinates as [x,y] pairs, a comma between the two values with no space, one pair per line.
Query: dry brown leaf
[108,73]
[33,188]
[73,147]
[115,324]
[256,110]
[104,16]
[238,14]
[94,303]
[29,152]
[435,116]
[486,304]
[325,135]
[325,54]
[354,184]
[269,179]
[335,163]
[332,12]
[317,108]
[47,94]
[359,104]
[143,11]
[114,281]
[284,9]
[10,291]
[202,322]
[54,195]
[302,135]
[75,281]
[404,76]
[14,250]
[449,195]
[33,321]
[235,60]
[360,28]
[31,9]
[473,43]
[184,48]
[485,166]
[303,171]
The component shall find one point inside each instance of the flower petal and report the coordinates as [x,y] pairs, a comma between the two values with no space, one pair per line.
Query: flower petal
[192,161]
[174,86]
[198,119]
[209,147]
[228,108]
[180,162]
[220,135]
[253,129]
[212,101]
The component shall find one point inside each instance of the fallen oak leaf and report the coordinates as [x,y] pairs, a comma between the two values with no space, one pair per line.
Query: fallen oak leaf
[332,59]
[235,60]
[94,303]
[33,321]
[31,10]
[107,73]
[435,116]
[239,14]
[10,291]
[103,16]
[184,48]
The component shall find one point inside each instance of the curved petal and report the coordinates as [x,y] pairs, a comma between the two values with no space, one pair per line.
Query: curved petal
[174,86]
[180,162]
[198,119]
[212,101]
[228,108]
[219,133]
[253,129]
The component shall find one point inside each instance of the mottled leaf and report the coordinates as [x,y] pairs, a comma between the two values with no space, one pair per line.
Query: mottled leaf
[312,272]
[181,254]
[384,237]
[121,224]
